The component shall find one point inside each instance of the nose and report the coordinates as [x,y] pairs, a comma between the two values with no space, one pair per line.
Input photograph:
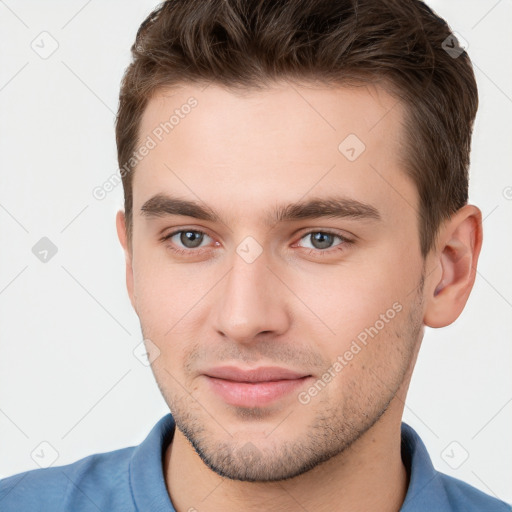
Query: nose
[251,302]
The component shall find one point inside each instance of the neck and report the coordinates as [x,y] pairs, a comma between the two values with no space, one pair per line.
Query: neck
[369,475]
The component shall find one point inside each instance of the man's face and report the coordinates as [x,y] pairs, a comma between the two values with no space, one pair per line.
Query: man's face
[284,332]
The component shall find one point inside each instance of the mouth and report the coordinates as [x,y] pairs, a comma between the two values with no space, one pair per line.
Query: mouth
[253,387]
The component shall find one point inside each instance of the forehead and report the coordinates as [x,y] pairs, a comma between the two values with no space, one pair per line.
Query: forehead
[308,113]
[283,140]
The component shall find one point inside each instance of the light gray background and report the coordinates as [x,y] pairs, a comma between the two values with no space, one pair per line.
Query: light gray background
[68,375]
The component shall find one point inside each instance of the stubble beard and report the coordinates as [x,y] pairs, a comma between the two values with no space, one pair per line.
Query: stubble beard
[338,423]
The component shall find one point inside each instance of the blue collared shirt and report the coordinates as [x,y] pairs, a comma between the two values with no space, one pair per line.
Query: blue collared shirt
[132,479]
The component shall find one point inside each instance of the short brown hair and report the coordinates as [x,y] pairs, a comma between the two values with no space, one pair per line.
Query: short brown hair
[401,44]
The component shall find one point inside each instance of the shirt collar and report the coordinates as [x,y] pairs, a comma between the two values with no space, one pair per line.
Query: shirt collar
[147,481]
[425,490]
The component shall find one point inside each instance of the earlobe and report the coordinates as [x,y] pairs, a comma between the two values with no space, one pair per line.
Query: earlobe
[456,257]
[123,239]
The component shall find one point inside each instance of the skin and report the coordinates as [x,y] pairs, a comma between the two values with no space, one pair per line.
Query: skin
[296,305]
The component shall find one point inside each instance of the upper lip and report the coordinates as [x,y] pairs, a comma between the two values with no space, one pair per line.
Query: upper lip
[262,374]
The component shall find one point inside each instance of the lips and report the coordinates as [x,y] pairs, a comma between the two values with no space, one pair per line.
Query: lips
[253,387]
[263,374]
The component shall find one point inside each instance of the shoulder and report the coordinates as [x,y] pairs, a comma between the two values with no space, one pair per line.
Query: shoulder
[99,481]
[463,496]
[430,489]
[122,480]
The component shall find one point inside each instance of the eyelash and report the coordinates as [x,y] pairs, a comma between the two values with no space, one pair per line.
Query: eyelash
[345,243]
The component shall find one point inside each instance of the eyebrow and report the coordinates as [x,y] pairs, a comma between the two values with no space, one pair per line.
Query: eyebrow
[162,205]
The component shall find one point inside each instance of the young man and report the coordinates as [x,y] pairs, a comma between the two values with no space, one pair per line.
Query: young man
[295,178]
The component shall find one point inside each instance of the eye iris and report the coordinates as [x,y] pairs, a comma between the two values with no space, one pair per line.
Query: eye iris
[191,239]
[321,240]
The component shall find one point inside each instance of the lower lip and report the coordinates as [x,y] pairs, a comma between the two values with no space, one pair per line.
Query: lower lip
[246,394]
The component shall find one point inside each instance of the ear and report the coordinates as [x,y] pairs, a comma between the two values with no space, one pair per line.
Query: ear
[123,239]
[455,260]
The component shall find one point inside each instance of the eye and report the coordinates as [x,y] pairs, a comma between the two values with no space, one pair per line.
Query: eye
[186,238]
[323,240]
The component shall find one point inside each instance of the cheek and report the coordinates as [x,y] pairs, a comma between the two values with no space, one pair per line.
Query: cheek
[163,291]
[346,300]
[169,301]
[369,361]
